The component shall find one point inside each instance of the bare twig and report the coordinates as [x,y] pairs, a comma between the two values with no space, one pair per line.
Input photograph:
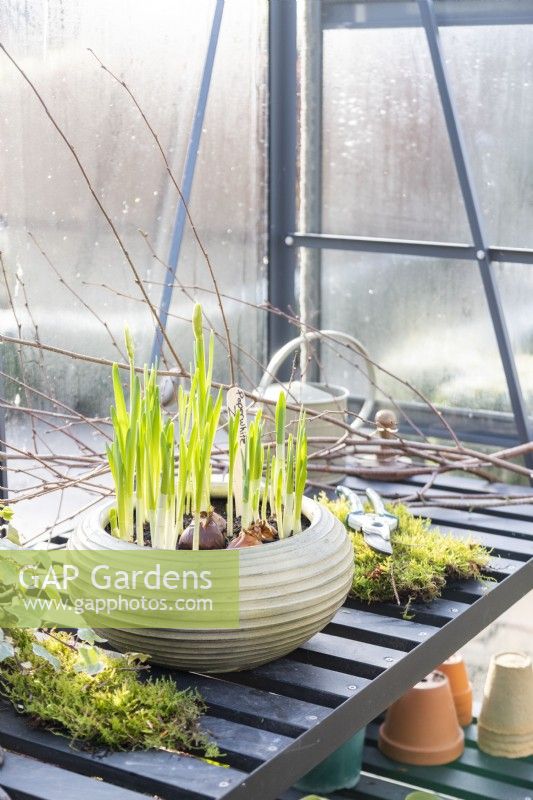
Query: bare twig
[97,200]
[185,205]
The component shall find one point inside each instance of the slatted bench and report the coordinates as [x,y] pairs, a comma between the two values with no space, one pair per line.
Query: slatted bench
[474,776]
[278,721]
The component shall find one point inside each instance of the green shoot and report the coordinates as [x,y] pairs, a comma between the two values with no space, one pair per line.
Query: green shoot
[266,485]
[288,518]
[281,410]
[300,471]
[233,451]
[141,457]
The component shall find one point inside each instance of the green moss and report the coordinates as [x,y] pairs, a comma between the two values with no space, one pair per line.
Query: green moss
[421,563]
[113,709]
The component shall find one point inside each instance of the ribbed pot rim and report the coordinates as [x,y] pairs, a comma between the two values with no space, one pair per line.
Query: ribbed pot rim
[98,519]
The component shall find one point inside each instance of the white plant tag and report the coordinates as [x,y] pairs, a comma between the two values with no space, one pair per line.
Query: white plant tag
[236,401]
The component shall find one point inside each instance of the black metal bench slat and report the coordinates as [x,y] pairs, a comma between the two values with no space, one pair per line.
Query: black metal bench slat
[435,614]
[169,775]
[364,659]
[305,681]
[276,713]
[477,522]
[391,491]
[501,566]
[26,778]
[449,482]
[320,694]
[467,485]
[392,632]
[505,546]
[465,593]
[243,746]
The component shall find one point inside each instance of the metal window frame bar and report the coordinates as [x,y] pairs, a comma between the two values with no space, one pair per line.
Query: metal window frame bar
[409,247]
[430,13]
[475,221]
[403,14]
[187,179]
[282,166]
[309,33]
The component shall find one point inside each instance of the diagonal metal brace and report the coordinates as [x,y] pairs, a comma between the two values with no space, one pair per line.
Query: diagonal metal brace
[464,174]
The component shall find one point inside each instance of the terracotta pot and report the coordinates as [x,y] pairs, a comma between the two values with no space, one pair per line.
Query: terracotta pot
[421,727]
[505,725]
[455,670]
[288,591]
[341,770]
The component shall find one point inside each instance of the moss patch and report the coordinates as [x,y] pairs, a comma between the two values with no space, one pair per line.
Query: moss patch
[421,563]
[113,709]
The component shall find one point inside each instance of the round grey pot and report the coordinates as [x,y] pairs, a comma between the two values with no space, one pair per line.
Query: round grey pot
[289,590]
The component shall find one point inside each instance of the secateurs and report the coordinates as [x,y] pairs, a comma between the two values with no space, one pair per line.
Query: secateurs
[376,526]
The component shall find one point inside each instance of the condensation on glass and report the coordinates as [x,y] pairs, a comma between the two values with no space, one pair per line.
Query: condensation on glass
[427,322]
[158,49]
[387,171]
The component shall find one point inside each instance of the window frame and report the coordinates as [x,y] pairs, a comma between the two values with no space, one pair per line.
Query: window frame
[285,240]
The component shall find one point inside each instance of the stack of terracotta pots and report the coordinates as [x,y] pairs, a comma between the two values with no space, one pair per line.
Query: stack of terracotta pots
[455,670]
[422,727]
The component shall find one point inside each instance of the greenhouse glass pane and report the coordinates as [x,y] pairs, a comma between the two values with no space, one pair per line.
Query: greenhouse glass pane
[491,73]
[158,49]
[387,165]
[516,287]
[427,322]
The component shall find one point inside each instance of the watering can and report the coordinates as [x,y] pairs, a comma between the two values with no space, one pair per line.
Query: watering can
[327,399]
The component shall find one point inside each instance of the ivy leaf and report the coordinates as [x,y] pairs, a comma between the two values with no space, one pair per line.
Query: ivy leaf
[6,650]
[42,652]
[89,636]
[6,512]
[13,535]
[89,661]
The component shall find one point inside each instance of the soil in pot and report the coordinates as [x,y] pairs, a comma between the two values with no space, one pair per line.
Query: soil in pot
[259,533]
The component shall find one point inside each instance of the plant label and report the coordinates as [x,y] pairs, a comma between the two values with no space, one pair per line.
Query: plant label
[236,400]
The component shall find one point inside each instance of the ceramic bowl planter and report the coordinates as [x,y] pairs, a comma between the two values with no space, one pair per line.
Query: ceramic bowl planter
[289,590]
[455,670]
[421,727]
[505,725]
